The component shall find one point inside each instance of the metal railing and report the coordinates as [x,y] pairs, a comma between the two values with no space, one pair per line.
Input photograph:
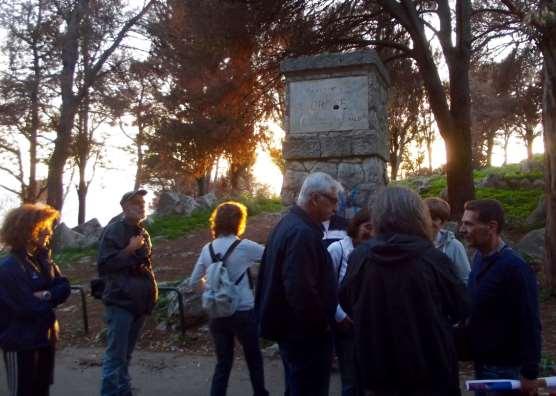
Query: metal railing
[168,289]
[164,289]
[83,307]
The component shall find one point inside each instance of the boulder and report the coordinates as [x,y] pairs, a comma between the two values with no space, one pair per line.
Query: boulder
[192,303]
[528,166]
[167,202]
[175,203]
[207,201]
[187,205]
[494,181]
[90,229]
[531,246]
[538,183]
[64,238]
[538,215]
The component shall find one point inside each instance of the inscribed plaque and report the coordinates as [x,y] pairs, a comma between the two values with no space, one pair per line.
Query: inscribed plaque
[330,104]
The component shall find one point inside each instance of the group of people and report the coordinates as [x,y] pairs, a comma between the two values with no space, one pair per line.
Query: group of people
[390,293]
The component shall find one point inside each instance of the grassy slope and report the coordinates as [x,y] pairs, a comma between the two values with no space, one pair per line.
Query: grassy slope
[176,226]
[517,202]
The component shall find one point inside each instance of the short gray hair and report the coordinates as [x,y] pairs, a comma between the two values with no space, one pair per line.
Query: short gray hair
[401,211]
[318,182]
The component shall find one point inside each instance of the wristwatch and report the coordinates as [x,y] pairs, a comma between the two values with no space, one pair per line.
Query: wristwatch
[46,295]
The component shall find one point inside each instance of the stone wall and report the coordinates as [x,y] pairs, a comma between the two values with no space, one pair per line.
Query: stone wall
[336,122]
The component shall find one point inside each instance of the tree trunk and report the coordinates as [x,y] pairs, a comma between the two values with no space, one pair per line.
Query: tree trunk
[459,172]
[506,142]
[82,197]
[70,53]
[139,145]
[548,48]
[490,147]
[429,152]
[394,167]
[203,184]
[529,138]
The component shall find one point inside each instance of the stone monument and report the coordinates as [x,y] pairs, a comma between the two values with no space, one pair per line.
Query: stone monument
[336,122]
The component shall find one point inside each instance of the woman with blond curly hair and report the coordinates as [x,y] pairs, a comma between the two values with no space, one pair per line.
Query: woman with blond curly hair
[31,286]
[227,224]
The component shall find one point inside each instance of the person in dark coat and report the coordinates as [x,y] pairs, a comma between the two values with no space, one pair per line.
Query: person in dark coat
[296,294]
[31,286]
[504,327]
[130,293]
[403,297]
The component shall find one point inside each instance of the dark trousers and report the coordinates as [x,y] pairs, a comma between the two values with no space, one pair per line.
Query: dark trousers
[243,326]
[29,373]
[344,344]
[307,365]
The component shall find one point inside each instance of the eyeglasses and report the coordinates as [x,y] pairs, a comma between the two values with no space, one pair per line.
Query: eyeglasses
[333,200]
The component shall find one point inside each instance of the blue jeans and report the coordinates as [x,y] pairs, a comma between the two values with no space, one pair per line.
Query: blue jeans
[122,332]
[243,326]
[490,371]
[307,365]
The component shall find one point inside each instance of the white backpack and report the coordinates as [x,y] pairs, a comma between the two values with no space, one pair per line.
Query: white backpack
[221,295]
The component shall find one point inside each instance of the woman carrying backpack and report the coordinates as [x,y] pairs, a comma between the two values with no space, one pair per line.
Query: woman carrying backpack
[231,258]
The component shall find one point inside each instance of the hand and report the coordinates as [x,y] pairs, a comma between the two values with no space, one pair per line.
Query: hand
[528,386]
[345,325]
[43,295]
[135,242]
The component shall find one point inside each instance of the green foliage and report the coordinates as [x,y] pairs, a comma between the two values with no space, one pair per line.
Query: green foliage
[175,226]
[517,203]
[68,257]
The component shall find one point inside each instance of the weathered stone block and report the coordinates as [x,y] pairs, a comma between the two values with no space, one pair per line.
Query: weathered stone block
[335,146]
[301,147]
[350,174]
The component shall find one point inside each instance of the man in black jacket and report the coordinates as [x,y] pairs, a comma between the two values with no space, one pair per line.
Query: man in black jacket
[296,294]
[124,262]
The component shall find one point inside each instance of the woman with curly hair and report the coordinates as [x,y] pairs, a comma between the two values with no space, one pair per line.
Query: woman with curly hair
[31,286]
[227,224]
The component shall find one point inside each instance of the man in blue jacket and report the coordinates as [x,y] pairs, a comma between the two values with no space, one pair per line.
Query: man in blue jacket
[124,262]
[504,325]
[296,294]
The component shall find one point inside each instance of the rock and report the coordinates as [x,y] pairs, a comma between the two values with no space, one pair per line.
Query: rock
[167,202]
[444,194]
[64,238]
[192,303]
[207,201]
[528,166]
[91,227]
[175,203]
[531,246]
[538,215]
[494,181]
[538,183]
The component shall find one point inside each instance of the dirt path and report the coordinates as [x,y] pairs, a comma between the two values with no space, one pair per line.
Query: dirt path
[160,373]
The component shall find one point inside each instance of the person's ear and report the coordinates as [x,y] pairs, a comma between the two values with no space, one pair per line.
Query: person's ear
[493,226]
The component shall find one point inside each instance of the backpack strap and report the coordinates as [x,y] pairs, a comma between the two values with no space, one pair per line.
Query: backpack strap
[217,257]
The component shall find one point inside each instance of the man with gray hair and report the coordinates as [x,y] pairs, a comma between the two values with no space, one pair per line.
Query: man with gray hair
[296,294]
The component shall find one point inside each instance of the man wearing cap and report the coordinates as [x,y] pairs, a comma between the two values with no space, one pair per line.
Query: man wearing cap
[124,262]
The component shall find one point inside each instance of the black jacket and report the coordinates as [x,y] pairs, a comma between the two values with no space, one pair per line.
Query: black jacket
[130,282]
[296,288]
[403,297]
